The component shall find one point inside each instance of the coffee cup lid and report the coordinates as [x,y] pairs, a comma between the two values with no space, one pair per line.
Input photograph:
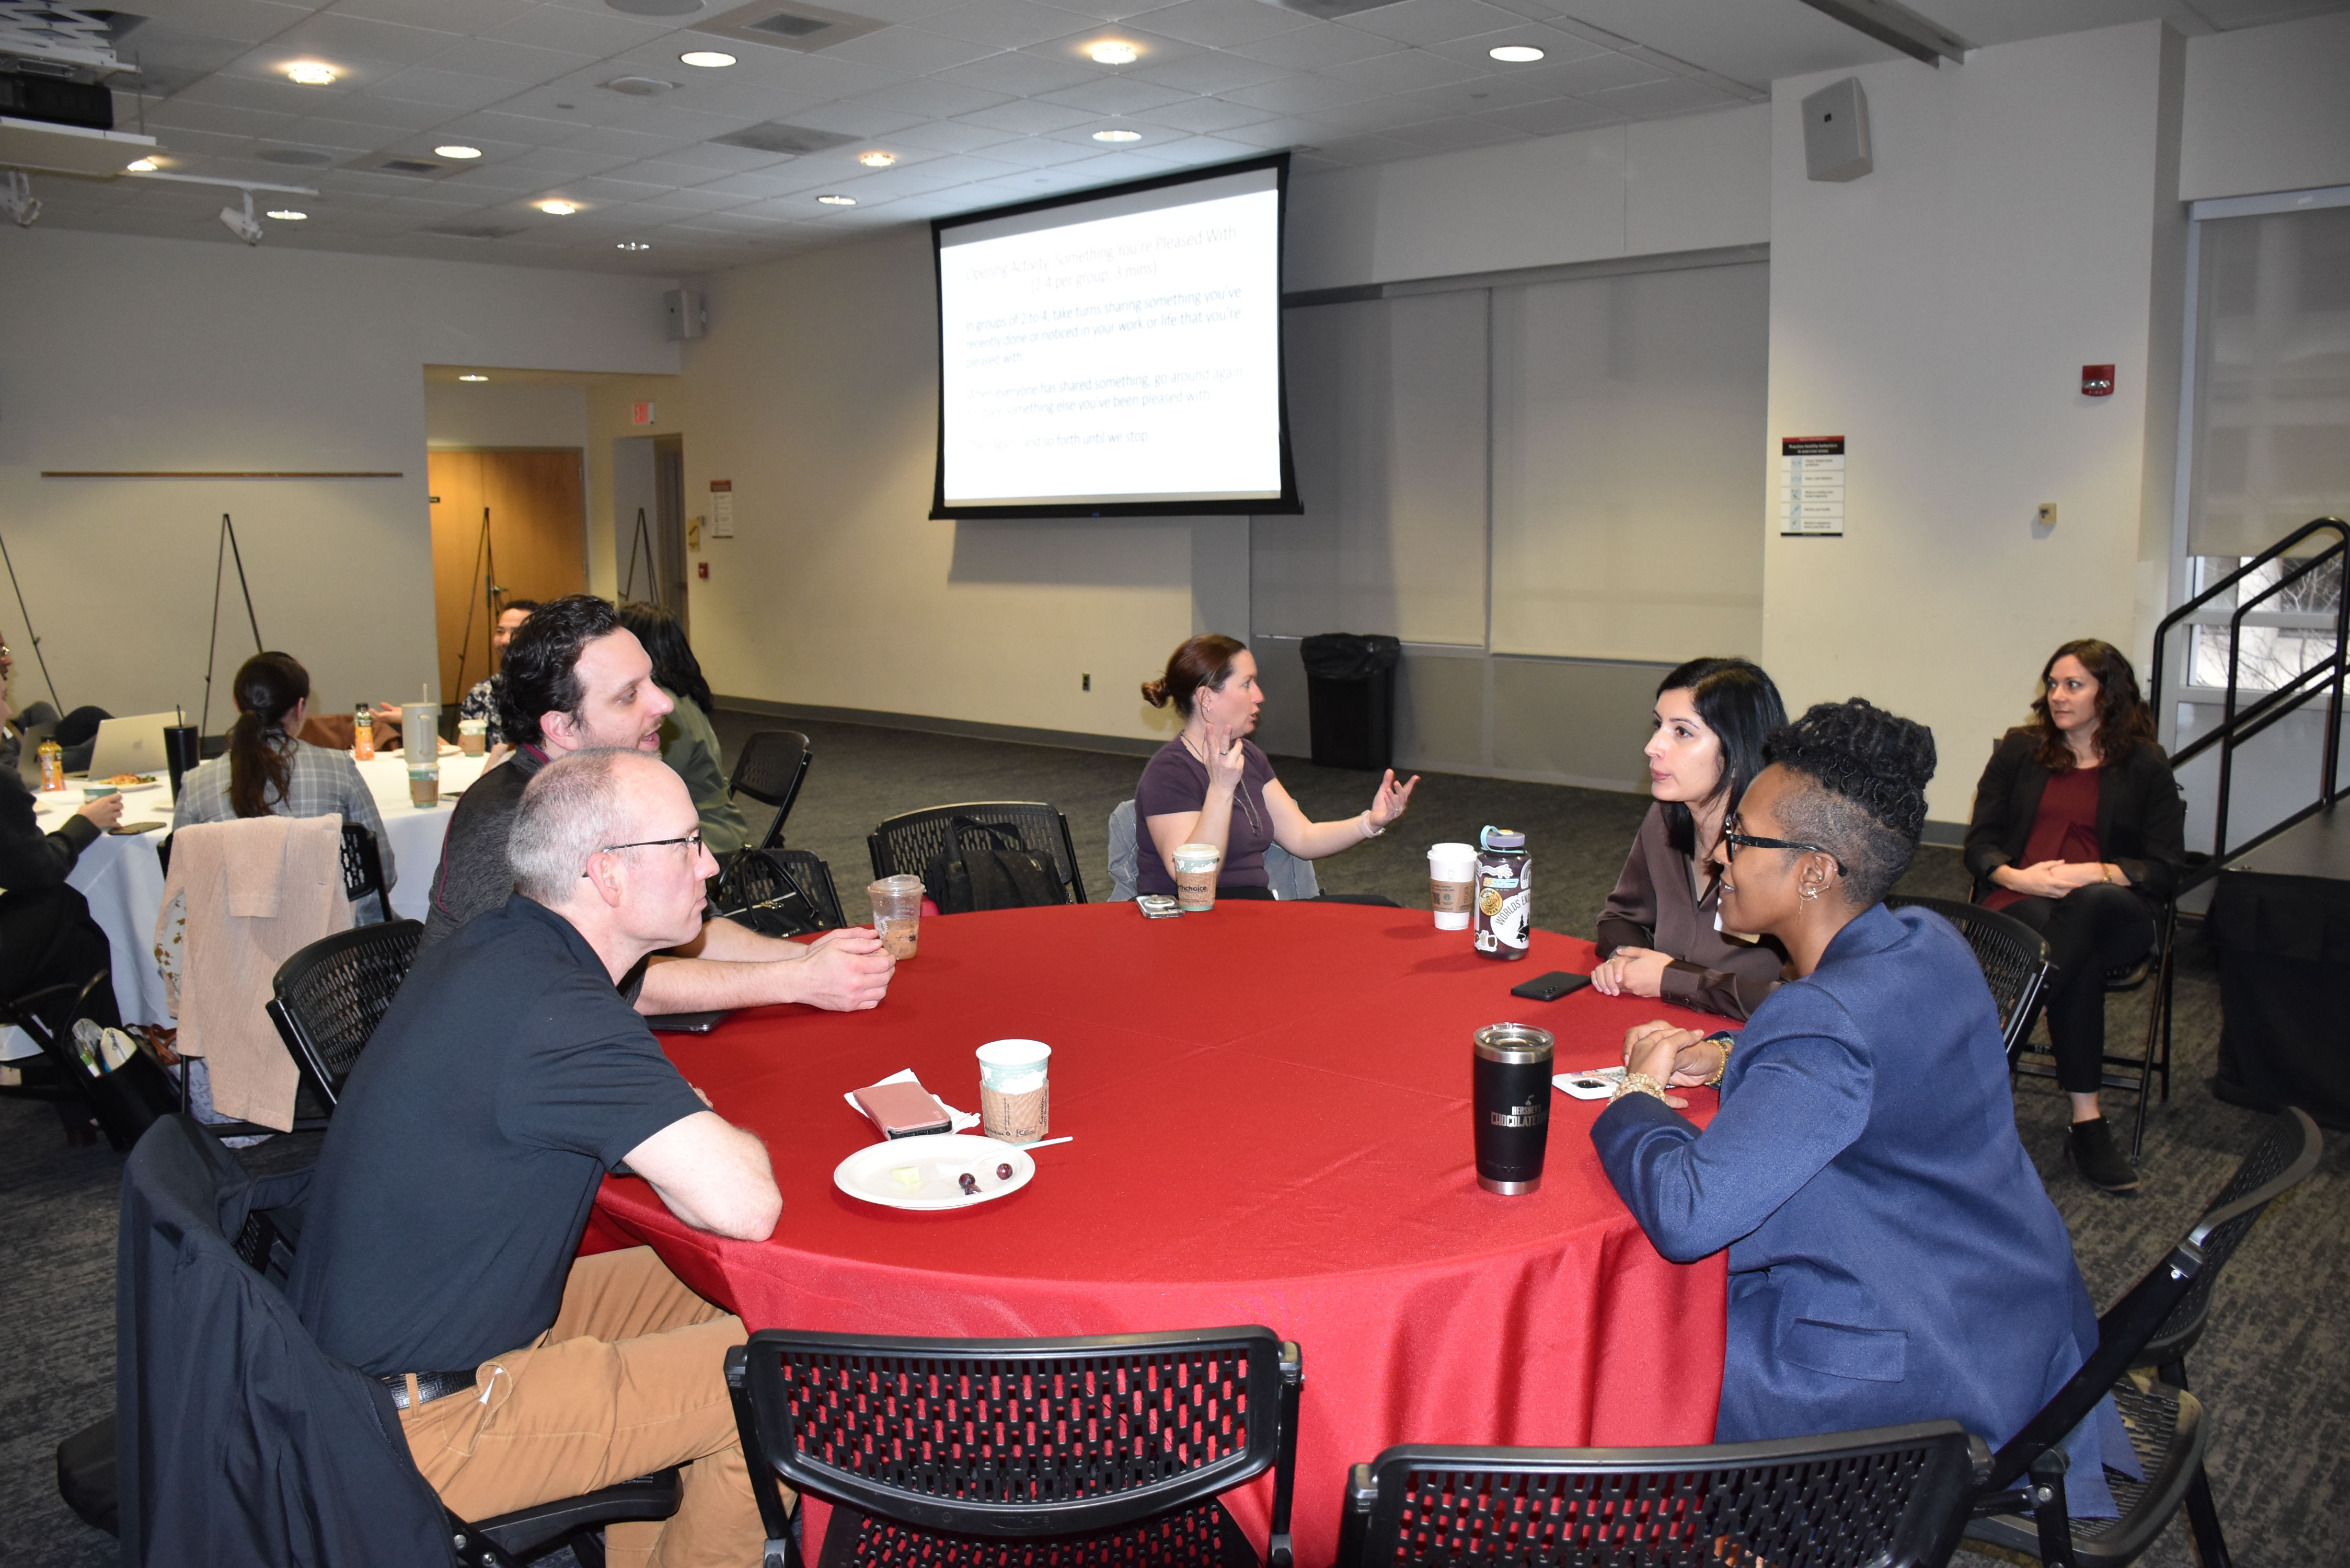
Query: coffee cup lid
[1014,1052]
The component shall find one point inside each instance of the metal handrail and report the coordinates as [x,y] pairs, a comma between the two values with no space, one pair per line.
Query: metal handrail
[2236,728]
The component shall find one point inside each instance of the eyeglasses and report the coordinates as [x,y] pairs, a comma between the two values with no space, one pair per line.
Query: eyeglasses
[1733,841]
[693,841]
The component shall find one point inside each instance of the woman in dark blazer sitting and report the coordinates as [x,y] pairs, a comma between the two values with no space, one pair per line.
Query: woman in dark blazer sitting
[2078,832]
[1893,1256]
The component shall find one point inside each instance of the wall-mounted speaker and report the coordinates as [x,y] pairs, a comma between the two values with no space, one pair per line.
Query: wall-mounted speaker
[1835,132]
[686,316]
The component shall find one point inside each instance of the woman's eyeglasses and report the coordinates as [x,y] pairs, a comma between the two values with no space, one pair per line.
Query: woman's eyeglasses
[1734,841]
[693,841]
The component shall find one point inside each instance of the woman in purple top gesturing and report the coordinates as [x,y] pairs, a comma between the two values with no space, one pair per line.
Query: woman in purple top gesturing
[1211,785]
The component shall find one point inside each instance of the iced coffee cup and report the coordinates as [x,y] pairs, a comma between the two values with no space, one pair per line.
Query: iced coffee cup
[897,913]
[1195,876]
[472,736]
[1452,884]
[424,784]
[1015,1102]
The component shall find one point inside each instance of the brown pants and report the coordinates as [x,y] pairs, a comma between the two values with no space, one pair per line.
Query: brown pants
[630,1379]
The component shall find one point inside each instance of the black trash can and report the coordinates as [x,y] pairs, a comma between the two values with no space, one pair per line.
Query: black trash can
[1350,698]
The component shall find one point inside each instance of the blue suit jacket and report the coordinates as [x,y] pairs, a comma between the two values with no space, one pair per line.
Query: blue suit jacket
[1893,1256]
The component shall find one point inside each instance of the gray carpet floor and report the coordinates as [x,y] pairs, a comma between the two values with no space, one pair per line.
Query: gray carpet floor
[2275,1367]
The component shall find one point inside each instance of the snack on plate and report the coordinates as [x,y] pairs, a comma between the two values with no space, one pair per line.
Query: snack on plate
[906,1176]
[120,779]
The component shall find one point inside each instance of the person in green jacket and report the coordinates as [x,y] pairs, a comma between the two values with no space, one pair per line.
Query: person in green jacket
[689,742]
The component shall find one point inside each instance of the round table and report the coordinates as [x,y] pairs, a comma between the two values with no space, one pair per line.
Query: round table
[1272,1122]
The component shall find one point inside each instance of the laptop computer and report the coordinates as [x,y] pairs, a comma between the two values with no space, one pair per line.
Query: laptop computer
[132,745]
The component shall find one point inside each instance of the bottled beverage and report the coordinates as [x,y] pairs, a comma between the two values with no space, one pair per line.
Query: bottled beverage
[363,734]
[1504,914]
[52,765]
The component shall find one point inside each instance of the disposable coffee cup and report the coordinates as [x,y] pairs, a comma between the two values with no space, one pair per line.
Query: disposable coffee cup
[97,791]
[1510,1098]
[1195,876]
[1015,1100]
[897,913]
[1452,884]
[424,784]
[472,736]
[420,731]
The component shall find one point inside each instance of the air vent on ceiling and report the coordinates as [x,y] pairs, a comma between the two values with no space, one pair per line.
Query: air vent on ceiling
[470,230]
[1328,10]
[773,137]
[301,157]
[789,25]
[639,87]
[409,166]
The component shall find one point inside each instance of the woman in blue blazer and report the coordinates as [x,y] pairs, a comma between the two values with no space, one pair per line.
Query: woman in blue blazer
[1893,1256]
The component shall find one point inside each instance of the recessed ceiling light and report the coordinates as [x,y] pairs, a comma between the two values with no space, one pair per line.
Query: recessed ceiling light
[636,86]
[1112,52]
[309,73]
[1117,136]
[1516,54]
[838,201]
[558,209]
[877,159]
[469,376]
[709,59]
[632,245]
[457,150]
[144,166]
[288,215]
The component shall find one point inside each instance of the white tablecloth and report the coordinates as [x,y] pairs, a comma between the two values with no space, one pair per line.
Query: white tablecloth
[122,878]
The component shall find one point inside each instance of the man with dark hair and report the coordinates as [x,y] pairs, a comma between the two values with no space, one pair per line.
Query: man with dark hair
[503,1083]
[577,679]
[481,701]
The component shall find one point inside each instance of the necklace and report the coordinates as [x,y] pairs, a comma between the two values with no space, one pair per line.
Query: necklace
[1239,793]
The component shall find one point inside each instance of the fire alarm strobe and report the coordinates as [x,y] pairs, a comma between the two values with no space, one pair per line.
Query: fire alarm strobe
[2097,380]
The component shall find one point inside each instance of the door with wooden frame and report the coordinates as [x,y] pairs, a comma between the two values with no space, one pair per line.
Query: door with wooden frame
[535,546]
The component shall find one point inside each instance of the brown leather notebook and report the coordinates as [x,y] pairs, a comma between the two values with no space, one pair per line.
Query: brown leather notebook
[903,1110]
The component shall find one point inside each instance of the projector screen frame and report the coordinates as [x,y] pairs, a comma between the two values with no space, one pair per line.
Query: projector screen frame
[1286,504]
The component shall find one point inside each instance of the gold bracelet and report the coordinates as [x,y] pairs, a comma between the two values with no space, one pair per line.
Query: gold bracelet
[1636,1083]
[1725,1040]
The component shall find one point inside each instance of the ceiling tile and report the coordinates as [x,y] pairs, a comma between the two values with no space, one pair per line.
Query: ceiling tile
[253,92]
[366,108]
[1019,74]
[967,171]
[1006,24]
[1116,96]
[329,35]
[251,20]
[1270,134]
[951,136]
[900,12]
[1407,71]
[928,99]
[1220,24]
[1311,48]
[1553,116]
[220,119]
[1211,71]
[611,192]
[1426,22]
[1201,115]
[613,139]
[824,78]
[337,133]
[1036,153]
[508,61]
[561,162]
[909,51]
[671,202]
[1300,94]
[599,33]
[1557,44]
[1674,95]
[455,89]
[1478,94]
[1028,117]
[1369,149]
[855,118]
[1594,74]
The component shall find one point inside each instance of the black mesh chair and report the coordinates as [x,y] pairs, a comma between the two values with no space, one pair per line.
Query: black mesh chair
[2138,1072]
[774,765]
[2013,956]
[329,996]
[815,880]
[1891,1497]
[778,893]
[2154,1323]
[906,844]
[1102,1450]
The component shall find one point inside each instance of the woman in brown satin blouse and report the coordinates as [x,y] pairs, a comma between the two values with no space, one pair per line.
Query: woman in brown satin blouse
[2078,831]
[1660,932]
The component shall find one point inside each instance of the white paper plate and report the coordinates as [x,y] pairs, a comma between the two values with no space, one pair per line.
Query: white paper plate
[937,1158]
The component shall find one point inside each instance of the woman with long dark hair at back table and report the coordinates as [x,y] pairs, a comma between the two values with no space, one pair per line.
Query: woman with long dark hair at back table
[1893,1256]
[267,772]
[2079,832]
[1661,932]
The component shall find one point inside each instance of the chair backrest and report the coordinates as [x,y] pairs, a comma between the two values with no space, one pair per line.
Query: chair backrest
[1124,864]
[2014,959]
[328,998]
[362,864]
[1891,1496]
[2281,1160]
[773,766]
[815,880]
[906,844]
[1141,1424]
[1289,877]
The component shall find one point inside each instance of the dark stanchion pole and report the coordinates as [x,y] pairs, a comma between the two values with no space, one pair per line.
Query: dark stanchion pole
[31,636]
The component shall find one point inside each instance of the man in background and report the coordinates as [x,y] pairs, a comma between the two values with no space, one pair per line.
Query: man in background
[481,701]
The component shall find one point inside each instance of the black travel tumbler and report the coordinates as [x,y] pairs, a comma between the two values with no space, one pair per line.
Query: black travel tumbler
[182,751]
[1511,1102]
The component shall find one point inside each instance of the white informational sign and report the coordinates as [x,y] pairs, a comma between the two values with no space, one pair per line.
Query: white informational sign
[1124,351]
[1811,485]
[722,509]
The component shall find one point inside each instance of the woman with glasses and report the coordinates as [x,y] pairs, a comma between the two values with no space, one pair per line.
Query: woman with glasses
[1661,932]
[2079,832]
[1893,1256]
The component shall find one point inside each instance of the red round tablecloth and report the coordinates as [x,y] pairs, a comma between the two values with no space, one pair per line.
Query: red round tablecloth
[1271,1109]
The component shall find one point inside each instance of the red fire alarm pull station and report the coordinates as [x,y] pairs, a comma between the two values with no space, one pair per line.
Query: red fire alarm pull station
[704,568]
[2097,380]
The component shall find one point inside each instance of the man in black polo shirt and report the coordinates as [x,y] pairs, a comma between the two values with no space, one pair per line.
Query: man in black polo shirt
[508,1076]
[577,679]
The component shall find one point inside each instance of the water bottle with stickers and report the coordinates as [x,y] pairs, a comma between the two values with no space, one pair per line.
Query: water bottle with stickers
[1504,917]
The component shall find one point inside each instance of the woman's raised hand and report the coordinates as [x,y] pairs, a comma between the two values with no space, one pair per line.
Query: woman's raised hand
[1226,759]
[1392,798]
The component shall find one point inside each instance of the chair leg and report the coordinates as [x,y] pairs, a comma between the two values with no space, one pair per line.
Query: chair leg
[2203,1519]
[2049,1512]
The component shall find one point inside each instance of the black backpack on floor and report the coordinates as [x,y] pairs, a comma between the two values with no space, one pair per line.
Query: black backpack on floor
[986,867]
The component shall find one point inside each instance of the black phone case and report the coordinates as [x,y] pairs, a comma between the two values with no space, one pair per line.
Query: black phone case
[1550,987]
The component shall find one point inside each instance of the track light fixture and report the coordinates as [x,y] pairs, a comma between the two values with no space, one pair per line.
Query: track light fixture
[17,199]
